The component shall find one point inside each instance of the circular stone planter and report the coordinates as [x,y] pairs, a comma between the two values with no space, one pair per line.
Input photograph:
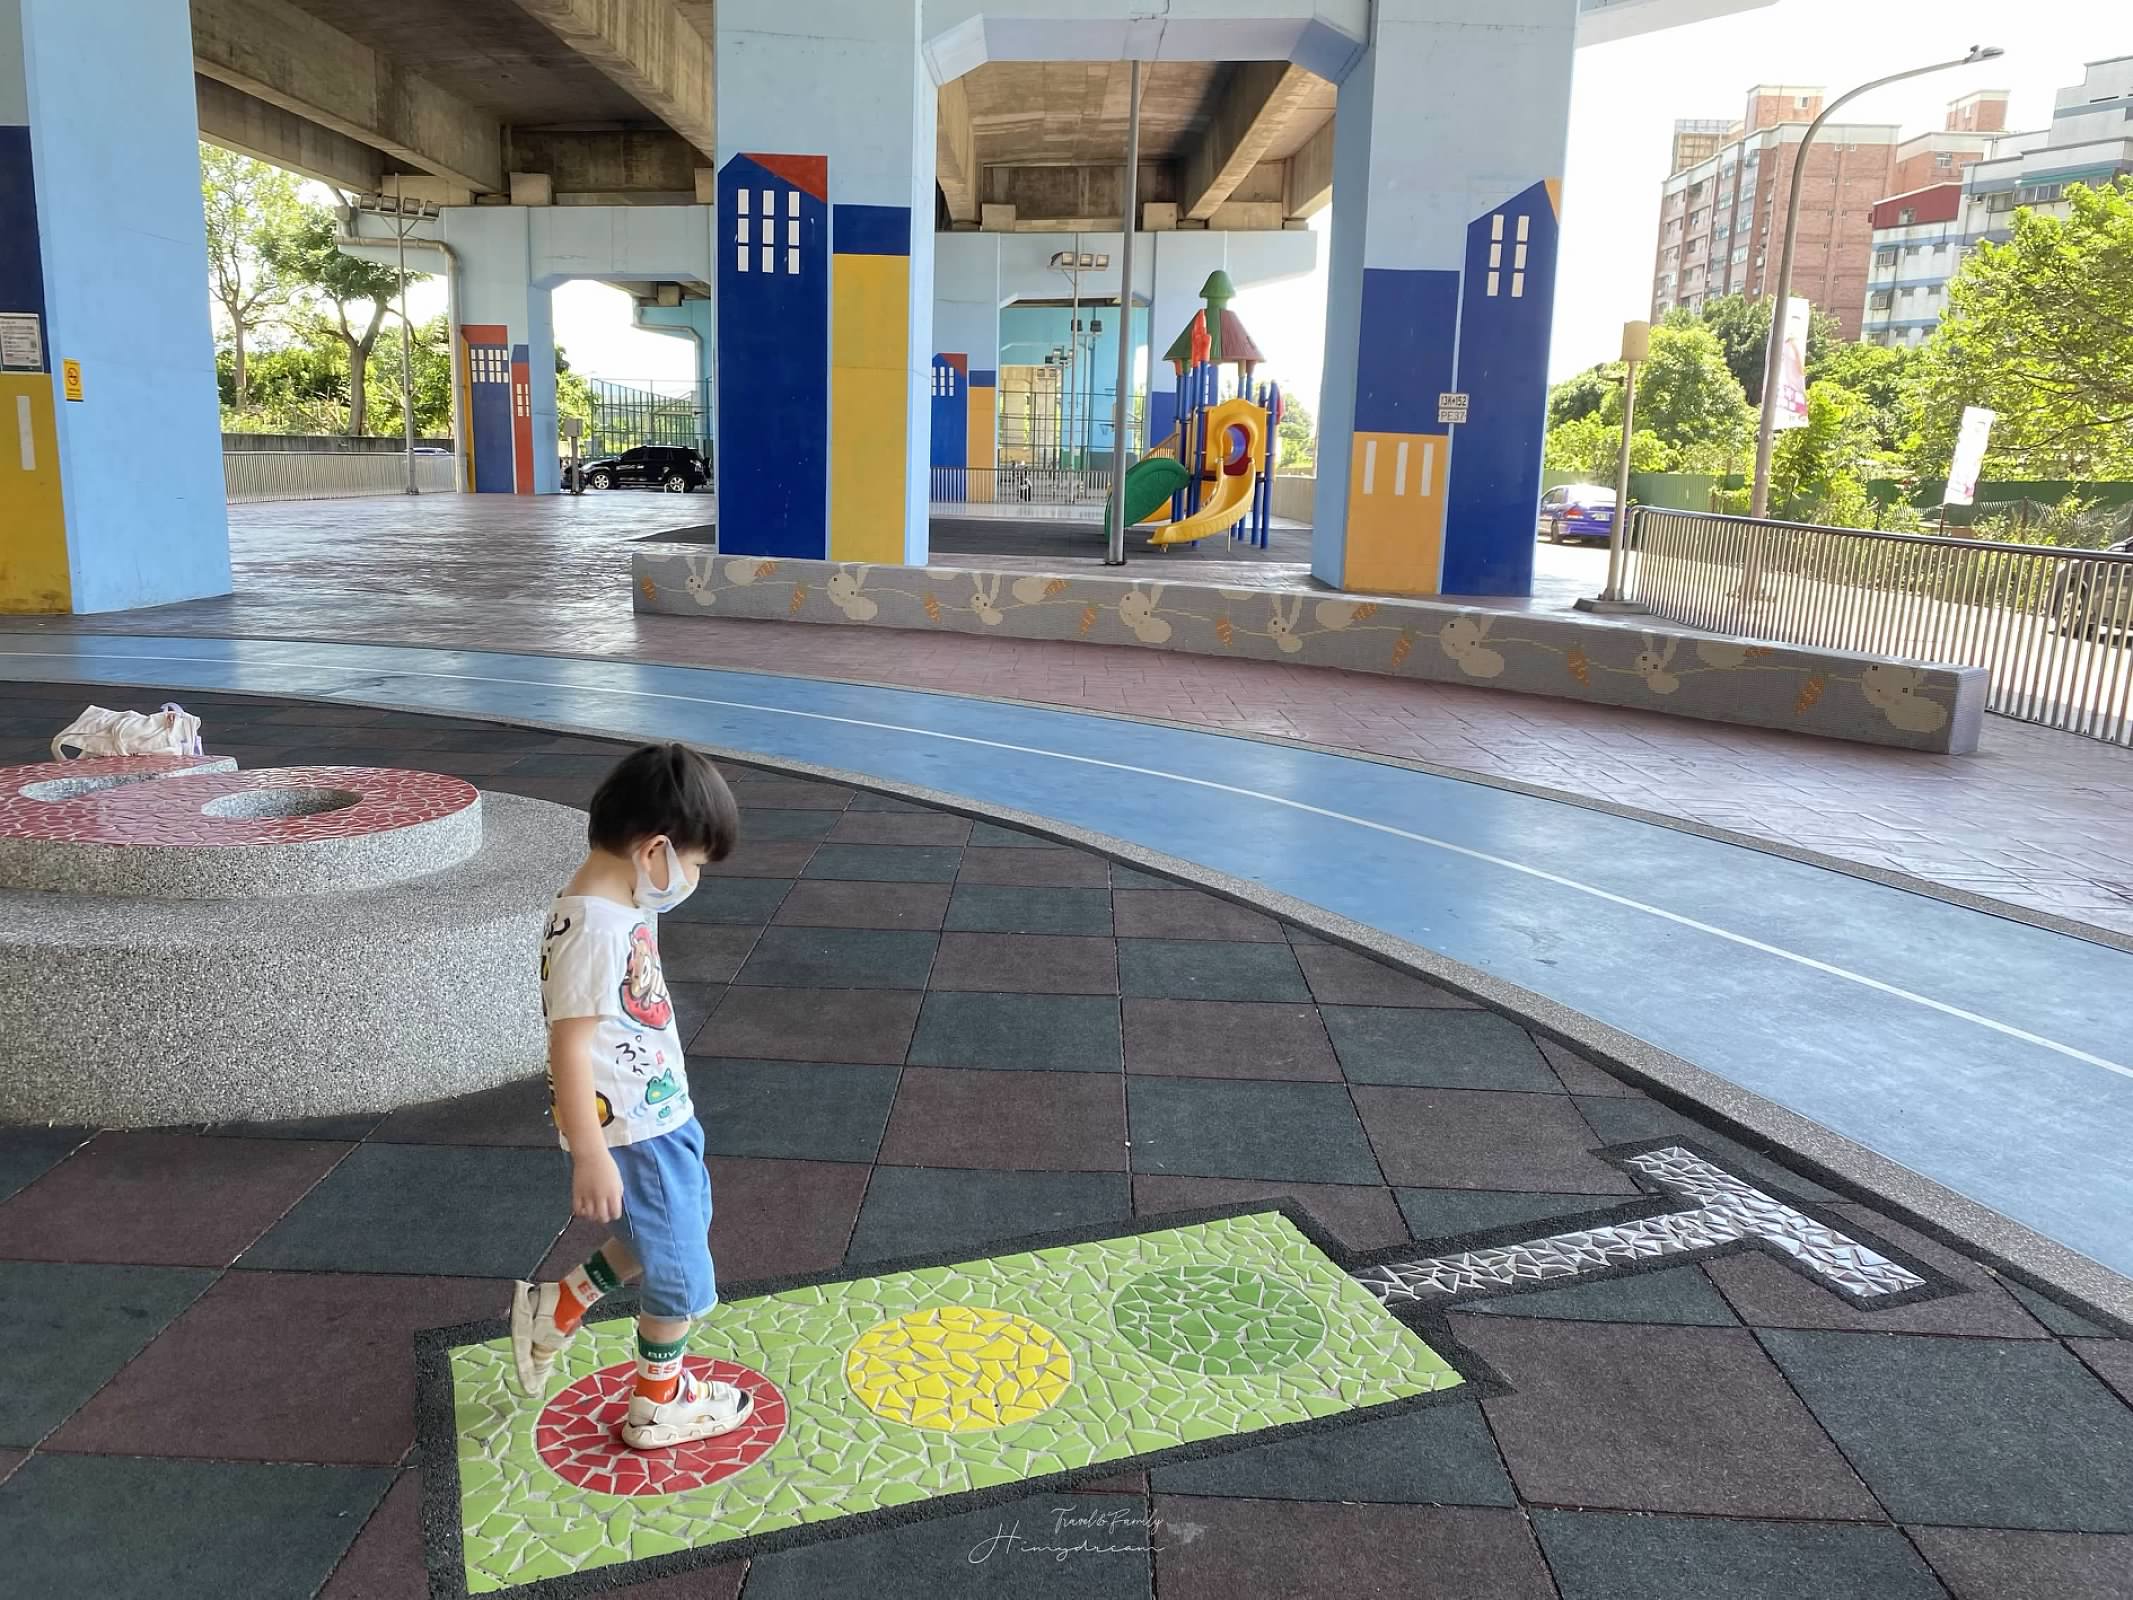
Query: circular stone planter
[137,1011]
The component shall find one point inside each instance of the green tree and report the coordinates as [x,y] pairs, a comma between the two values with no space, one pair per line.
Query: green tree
[2040,329]
[1685,392]
[338,284]
[1584,393]
[1590,448]
[1742,328]
[249,208]
[1815,468]
[1882,377]
[1296,436]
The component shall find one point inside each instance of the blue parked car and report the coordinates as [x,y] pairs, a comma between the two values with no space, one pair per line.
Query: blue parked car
[1577,511]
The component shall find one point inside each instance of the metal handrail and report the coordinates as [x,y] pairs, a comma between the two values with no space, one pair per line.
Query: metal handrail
[2053,627]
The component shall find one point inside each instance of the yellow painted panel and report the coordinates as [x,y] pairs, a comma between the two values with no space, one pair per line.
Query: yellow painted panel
[867,464]
[34,575]
[870,313]
[1396,497]
[984,419]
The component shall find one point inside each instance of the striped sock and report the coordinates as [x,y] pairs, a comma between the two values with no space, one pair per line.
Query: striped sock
[659,1368]
[581,1289]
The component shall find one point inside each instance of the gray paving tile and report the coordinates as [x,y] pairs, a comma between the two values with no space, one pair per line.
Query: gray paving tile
[511,1114]
[2111,1360]
[703,952]
[71,1327]
[1633,1417]
[1434,1049]
[1480,1139]
[1023,1121]
[1026,963]
[840,958]
[991,834]
[1227,1039]
[885,863]
[26,1154]
[932,1210]
[1995,1563]
[1061,1033]
[1196,969]
[810,1110]
[990,908]
[1246,1549]
[761,824]
[1581,1076]
[1341,977]
[1681,1296]
[1225,1128]
[124,1528]
[854,1025]
[2058,1318]
[756,790]
[1034,869]
[744,902]
[1605,1556]
[774,858]
[896,827]
[1970,1432]
[436,1210]
[1189,914]
[1125,877]
[1439,1455]
[1452,1213]
[912,906]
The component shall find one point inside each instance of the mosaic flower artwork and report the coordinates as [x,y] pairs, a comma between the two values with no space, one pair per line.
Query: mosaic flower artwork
[914,1385]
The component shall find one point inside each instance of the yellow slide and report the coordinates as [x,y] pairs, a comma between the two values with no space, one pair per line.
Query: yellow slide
[1228,491]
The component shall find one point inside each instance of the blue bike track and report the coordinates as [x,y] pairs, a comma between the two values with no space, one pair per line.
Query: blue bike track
[1988,1055]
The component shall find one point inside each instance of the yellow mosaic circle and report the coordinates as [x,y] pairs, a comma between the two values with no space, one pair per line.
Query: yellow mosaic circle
[958,1369]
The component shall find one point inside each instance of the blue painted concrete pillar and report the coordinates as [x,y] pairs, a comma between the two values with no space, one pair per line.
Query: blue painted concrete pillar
[823,251]
[506,354]
[1448,145]
[111,490]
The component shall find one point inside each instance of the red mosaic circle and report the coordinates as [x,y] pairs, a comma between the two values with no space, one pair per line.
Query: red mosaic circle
[579,1434]
[171,810]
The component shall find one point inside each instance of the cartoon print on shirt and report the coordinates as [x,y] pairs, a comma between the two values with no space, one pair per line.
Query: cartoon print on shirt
[662,1088]
[558,925]
[644,985]
[601,1103]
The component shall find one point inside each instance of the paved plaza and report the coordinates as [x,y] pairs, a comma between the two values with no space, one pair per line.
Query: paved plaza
[918,1039]
[2035,819]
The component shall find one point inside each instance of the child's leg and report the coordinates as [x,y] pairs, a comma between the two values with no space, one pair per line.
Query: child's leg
[661,1342]
[601,1274]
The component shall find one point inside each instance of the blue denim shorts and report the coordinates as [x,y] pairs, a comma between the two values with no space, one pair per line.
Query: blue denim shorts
[666,1218]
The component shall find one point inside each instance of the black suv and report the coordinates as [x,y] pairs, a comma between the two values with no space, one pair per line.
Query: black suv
[674,468]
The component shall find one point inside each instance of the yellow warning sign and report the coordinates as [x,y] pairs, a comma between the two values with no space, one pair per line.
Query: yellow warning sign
[70,379]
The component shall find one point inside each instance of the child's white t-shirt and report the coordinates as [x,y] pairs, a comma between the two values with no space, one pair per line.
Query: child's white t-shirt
[601,959]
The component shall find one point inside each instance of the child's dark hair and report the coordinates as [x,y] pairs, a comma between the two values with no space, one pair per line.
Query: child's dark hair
[669,789]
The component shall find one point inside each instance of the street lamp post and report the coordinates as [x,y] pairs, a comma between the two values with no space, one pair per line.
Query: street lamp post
[1781,296]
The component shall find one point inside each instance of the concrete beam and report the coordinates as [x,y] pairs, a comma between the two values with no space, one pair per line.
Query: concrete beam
[273,52]
[648,48]
[1309,185]
[1248,116]
[235,121]
[1068,197]
[618,161]
[955,160]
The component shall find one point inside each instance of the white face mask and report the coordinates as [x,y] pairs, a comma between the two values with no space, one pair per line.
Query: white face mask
[656,900]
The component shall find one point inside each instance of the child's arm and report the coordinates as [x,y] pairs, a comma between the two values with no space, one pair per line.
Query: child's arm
[595,1180]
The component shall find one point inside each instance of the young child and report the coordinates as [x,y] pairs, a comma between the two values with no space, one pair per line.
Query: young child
[620,1090]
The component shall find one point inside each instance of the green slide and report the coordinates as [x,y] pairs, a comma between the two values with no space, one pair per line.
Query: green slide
[1150,482]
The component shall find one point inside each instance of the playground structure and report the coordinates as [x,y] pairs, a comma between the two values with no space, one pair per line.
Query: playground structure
[1215,469]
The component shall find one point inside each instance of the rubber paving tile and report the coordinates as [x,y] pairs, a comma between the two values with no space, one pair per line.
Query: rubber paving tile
[1605,1556]
[71,1326]
[1226,1549]
[125,1528]
[1993,1563]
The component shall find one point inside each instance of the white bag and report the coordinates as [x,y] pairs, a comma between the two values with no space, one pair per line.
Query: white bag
[172,731]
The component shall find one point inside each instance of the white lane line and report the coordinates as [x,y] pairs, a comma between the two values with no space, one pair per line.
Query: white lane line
[1745,941]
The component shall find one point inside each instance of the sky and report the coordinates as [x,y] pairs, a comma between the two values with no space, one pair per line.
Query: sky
[1624,101]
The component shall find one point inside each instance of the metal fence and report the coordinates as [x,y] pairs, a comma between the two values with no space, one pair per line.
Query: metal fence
[2053,626]
[1043,486]
[249,475]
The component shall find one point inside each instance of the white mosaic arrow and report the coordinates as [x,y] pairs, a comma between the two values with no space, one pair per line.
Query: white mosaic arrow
[1725,1212]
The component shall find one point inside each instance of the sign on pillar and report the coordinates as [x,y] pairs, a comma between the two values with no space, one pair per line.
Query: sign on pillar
[773,356]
